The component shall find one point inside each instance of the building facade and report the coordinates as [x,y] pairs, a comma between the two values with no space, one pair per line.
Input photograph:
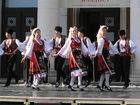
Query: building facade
[116,14]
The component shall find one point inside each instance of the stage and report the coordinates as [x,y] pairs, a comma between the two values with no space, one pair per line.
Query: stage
[49,95]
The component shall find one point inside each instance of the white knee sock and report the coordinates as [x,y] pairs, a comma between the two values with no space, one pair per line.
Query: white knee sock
[72,81]
[80,81]
[35,81]
[102,77]
[107,75]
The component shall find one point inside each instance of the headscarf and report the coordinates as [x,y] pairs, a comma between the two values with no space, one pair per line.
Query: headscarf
[100,30]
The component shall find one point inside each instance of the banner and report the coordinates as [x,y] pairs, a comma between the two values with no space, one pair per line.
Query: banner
[94,3]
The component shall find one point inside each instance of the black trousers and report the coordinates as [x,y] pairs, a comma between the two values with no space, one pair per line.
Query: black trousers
[11,59]
[59,62]
[122,68]
[89,65]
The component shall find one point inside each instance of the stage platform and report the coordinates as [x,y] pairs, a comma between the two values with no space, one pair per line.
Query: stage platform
[49,95]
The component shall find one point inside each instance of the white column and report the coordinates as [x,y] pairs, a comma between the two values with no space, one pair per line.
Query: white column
[48,18]
[123,18]
[135,29]
[0,16]
[0,26]
[63,20]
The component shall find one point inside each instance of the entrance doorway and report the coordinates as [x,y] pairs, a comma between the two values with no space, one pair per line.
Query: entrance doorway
[92,18]
[20,20]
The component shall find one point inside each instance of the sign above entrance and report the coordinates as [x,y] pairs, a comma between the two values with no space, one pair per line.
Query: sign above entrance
[94,3]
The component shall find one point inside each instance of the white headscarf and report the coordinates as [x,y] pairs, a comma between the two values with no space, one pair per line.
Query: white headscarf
[100,30]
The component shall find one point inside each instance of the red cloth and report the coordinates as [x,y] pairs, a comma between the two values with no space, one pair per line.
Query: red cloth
[34,67]
[101,64]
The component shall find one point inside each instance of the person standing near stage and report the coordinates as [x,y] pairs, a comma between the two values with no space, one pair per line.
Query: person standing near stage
[104,46]
[125,47]
[87,60]
[73,48]
[57,42]
[35,49]
[10,46]
[28,78]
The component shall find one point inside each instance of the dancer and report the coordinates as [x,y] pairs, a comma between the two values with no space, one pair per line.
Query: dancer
[36,48]
[87,60]
[10,45]
[74,47]
[126,47]
[57,42]
[104,47]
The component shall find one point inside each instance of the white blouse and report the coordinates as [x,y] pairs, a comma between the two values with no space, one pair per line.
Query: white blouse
[112,50]
[65,50]
[122,46]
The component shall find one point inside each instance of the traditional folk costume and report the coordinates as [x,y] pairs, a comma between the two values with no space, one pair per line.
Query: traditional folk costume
[105,47]
[88,62]
[28,78]
[58,43]
[35,50]
[75,47]
[10,46]
[125,47]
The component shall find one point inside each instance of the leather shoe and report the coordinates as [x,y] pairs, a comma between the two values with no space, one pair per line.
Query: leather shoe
[124,87]
[6,85]
[16,80]
[108,88]
[57,85]
[29,84]
[87,83]
[101,89]
[71,87]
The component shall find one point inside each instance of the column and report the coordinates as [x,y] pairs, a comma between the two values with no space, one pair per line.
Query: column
[135,29]
[48,17]
[0,26]
[123,18]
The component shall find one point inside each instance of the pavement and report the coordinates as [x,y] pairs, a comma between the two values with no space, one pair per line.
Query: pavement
[49,90]
[64,94]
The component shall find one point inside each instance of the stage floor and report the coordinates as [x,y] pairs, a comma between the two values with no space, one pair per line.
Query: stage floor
[65,95]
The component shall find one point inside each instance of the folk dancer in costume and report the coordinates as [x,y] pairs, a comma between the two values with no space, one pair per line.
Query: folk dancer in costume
[126,47]
[57,43]
[104,48]
[27,78]
[10,46]
[74,47]
[87,60]
[35,50]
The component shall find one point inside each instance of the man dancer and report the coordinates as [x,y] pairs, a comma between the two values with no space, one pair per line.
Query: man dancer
[57,42]
[126,47]
[11,46]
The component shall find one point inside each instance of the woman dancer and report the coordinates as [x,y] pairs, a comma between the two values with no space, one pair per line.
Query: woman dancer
[74,47]
[104,47]
[36,48]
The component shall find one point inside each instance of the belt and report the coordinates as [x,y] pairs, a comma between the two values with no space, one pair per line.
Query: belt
[76,48]
[125,54]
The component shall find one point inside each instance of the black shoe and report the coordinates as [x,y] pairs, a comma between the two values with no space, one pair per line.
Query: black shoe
[29,84]
[38,89]
[87,83]
[16,80]
[81,89]
[101,89]
[124,87]
[71,87]
[6,85]
[108,88]
[57,85]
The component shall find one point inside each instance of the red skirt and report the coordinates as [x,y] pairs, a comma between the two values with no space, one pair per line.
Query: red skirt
[101,64]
